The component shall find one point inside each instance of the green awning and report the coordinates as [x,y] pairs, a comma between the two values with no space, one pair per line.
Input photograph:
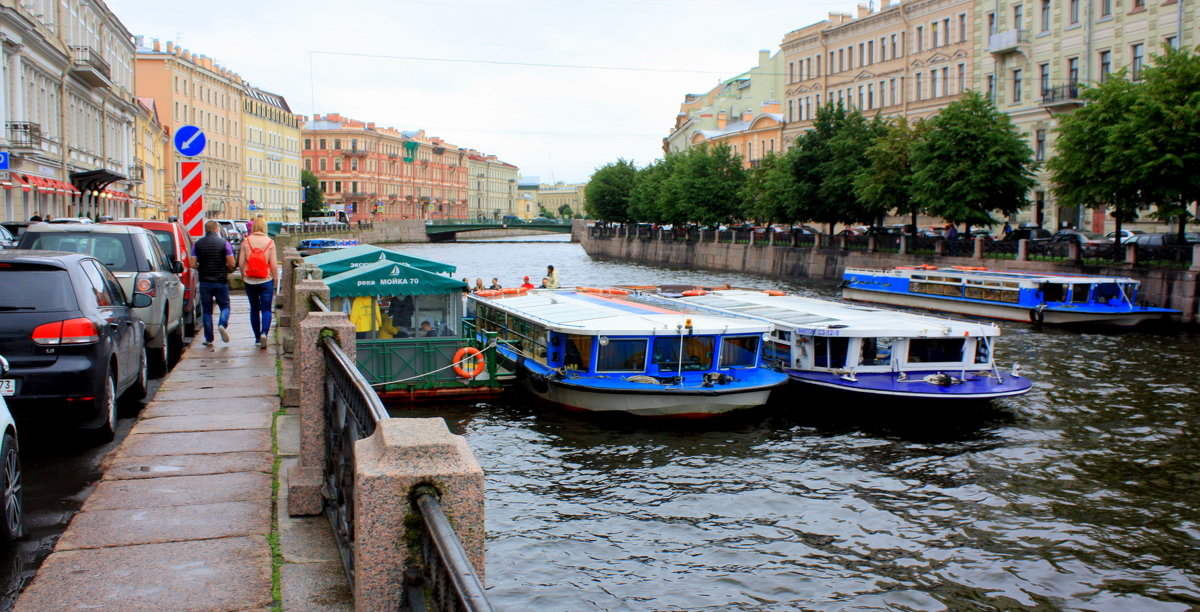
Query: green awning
[391,278]
[341,260]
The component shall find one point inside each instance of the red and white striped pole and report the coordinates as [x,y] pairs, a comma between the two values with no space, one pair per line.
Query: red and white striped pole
[191,183]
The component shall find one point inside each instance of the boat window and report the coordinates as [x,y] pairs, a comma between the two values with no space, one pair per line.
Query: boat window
[777,352]
[1107,292]
[993,294]
[784,335]
[937,286]
[697,353]
[935,350]
[578,353]
[739,351]
[1054,292]
[622,355]
[830,352]
[1080,294]
[876,352]
[983,351]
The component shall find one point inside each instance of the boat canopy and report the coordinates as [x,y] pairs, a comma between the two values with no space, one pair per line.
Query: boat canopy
[342,260]
[569,312]
[385,278]
[809,316]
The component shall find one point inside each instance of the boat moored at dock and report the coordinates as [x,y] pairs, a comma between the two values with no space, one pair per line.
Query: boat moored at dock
[605,350]
[1053,299]
[872,351]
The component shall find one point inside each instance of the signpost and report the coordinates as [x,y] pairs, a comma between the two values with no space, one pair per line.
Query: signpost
[189,142]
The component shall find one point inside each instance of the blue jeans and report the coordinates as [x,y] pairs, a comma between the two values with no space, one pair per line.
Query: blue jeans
[209,292]
[260,307]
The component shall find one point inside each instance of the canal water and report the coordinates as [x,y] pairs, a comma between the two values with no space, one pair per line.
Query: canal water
[1083,494]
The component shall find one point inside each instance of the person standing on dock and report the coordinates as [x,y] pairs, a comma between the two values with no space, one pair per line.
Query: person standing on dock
[551,278]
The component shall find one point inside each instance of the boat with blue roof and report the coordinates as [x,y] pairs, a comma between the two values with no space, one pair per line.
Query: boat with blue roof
[866,351]
[1033,297]
[608,350]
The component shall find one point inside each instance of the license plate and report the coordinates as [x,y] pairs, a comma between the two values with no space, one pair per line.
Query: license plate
[8,386]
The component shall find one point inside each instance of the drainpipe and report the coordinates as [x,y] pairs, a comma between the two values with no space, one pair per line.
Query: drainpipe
[64,127]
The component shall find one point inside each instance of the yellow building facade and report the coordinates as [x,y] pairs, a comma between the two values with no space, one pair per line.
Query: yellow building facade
[271,161]
[150,175]
[552,198]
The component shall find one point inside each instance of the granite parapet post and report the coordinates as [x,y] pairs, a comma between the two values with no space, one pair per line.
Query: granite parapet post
[302,292]
[290,258]
[401,455]
[305,479]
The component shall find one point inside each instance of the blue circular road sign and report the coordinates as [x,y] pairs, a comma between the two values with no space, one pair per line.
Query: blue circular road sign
[189,140]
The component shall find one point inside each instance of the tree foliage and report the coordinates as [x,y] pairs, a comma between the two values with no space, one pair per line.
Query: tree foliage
[885,184]
[703,186]
[606,196]
[314,199]
[971,163]
[765,192]
[1167,119]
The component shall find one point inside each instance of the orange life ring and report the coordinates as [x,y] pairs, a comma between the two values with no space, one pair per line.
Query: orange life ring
[469,352]
[488,293]
[904,268]
[926,267]
[587,289]
[694,292]
[510,291]
[774,292]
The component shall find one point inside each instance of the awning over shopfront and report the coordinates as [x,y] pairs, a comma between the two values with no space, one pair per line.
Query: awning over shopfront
[95,181]
[343,260]
[386,278]
[30,182]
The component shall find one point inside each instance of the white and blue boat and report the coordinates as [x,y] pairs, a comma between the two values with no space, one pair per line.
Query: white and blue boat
[1053,299]
[871,351]
[607,351]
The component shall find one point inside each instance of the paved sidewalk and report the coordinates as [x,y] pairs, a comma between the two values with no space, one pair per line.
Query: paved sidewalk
[181,518]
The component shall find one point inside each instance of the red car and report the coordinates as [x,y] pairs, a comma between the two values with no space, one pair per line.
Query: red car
[177,245]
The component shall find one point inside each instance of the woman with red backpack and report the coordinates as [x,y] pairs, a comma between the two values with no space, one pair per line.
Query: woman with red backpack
[260,273]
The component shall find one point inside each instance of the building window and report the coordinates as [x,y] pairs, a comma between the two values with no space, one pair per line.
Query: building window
[337,144]
[1072,72]
[892,91]
[918,93]
[308,165]
[962,27]
[1139,5]
[1016,84]
[946,31]
[1045,15]
[991,88]
[991,21]
[321,144]
[962,78]
[849,57]
[1105,65]
[1105,8]
[935,40]
[791,108]
[920,38]
[1018,16]
[862,54]
[841,65]
[870,52]
[354,164]
[1172,41]
[1135,66]
[933,83]
[1073,12]
[1039,148]
[791,72]
[1044,78]
[893,46]
[321,164]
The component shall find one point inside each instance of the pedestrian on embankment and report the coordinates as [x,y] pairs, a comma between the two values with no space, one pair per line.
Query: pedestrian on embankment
[212,256]
[260,274]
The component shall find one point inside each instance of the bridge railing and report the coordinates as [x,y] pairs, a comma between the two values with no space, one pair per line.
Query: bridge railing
[369,472]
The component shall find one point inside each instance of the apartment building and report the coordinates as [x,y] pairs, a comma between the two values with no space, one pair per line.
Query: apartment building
[552,198]
[271,165]
[909,59]
[493,187]
[66,102]
[153,158]
[376,172]
[192,89]
[1038,53]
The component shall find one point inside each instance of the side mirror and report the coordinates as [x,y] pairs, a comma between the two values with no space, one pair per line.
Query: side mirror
[141,300]
[177,266]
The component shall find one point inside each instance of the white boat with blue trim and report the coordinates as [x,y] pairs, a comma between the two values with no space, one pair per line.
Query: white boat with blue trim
[605,350]
[871,351]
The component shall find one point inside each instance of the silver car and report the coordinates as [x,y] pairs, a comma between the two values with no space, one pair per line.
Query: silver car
[134,257]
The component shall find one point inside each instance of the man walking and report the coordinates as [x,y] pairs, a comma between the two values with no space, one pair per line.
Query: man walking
[212,257]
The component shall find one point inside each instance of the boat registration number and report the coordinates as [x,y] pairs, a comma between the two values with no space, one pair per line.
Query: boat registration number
[8,386]
[818,332]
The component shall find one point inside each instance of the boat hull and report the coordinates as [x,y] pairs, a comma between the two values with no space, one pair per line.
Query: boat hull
[677,404]
[973,388]
[1024,314]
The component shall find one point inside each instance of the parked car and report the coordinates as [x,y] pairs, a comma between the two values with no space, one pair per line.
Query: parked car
[73,342]
[540,220]
[1091,242]
[16,228]
[78,220]
[174,240]
[12,524]
[1127,235]
[7,240]
[1029,233]
[134,257]
[1165,239]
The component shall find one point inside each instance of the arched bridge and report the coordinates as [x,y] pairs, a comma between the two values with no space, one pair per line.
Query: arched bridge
[445,230]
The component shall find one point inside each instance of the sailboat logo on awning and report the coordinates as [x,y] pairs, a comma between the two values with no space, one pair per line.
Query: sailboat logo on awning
[383,257]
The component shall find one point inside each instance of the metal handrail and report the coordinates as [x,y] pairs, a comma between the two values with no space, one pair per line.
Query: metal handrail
[316,300]
[449,561]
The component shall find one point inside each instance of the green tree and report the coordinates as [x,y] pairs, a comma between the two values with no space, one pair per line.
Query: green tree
[971,163]
[764,194]
[1167,121]
[314,199]
[1097,160]
[704,186]
[823,164]
[647,203]
[885,184]
[544,212]
[565,211]
[606,196]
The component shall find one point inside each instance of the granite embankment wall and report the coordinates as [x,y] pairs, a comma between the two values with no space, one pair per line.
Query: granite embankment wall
[1177,289]
[382,232]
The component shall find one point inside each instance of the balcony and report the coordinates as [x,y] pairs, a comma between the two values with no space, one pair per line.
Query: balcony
[356,194]
[393,155]
[87,64]
[1061,96]
[24,135]
[355,152]
[1008,41]
[137,172]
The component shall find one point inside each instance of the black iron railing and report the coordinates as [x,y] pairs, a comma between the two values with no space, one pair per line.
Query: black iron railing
[446,578]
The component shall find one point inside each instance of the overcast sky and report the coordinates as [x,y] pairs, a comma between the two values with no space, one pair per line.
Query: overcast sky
[608,79]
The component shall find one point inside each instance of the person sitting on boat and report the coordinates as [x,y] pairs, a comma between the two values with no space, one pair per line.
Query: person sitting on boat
[426,330]
[544,282]
[479,285]
[466,286]
[551,278]
[495,284]
[527,284]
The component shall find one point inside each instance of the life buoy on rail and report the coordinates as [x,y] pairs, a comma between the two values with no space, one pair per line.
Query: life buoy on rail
[469,352]
[774,292]
[969,268]
[487,293]
[616,292]
[1036,316]
[926,267]
[587,290]
[693,292]
[510,291]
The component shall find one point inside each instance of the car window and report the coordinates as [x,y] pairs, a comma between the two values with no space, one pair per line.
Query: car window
[100,289]
[4,235]
[113,285]
[114,250]
[35,288]
[166,241]
[154,254]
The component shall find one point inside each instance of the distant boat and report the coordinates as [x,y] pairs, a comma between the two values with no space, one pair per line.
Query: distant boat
[871,351]
[604,350]
[1053,299]
[310,246]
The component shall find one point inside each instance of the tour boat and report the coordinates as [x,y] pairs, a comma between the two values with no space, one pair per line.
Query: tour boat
[871,351]
[1055,299]
[606,350]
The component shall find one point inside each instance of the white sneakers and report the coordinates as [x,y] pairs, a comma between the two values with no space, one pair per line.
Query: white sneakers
[224,334]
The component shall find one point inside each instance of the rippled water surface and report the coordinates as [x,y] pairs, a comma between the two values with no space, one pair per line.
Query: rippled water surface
[1084,493]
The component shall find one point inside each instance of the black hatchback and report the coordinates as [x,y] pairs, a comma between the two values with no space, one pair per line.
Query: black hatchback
[73,343]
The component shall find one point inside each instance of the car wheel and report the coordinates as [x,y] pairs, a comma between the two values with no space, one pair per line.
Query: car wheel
[13,526]
[137,391]
[106,405]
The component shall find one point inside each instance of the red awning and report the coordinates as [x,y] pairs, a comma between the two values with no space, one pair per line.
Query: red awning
[22,181]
